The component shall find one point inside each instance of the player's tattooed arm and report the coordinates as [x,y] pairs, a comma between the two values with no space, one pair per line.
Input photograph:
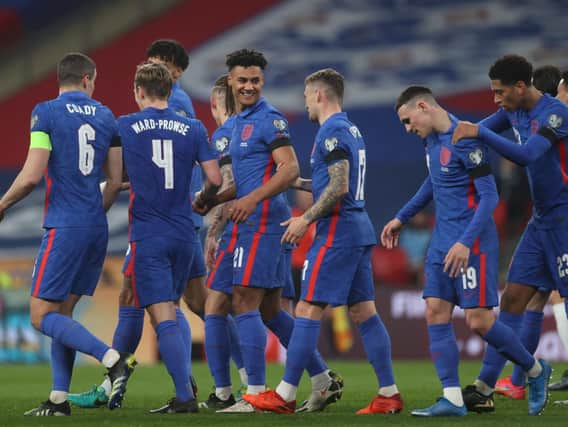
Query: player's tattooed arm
[302,184]
[336,189]
[219,214]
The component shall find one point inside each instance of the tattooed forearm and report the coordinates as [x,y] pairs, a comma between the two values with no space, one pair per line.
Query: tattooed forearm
[303,184]
[337,187]
[219,214]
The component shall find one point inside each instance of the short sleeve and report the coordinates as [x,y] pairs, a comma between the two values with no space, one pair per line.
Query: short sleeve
[336,145]
[40,127]
[474,156]
[275,131]
[205,151]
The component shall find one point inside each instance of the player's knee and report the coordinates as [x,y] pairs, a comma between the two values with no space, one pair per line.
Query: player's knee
[36,318]
[361,312]
[217,304]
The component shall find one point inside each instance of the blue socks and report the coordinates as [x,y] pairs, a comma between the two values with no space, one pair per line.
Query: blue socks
[129,329]
[72,334]
[530,336]
[445,354]
[252,335]
[376,341]
[62,359]
[185,335]
[301,348]
[282,326]
[504,344]
[234,344]
[174,356]
[217,348]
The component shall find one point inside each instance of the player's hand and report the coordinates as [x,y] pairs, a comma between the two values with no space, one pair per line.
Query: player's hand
[456,259]
[125,186]
[297,227]
[211,246]
[465,130]
[390,233]
[200,206]
[241,209]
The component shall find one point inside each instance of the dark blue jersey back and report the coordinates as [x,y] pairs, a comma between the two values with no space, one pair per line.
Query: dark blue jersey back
[180,102]
[160,149]
[256,132]
[548,176]
[455,197]
[80,130]
[349,223]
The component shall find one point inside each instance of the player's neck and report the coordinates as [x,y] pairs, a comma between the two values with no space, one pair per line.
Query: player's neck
[327,111]
[532,98]
[64,89]
[159,104]
[441,122]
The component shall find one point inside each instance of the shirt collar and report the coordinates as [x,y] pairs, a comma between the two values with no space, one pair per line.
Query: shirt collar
[261,103]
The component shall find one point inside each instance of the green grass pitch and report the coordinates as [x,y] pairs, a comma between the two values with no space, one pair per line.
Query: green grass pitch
[22,387]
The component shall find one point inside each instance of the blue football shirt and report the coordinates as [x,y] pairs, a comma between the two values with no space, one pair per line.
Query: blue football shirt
[80,131]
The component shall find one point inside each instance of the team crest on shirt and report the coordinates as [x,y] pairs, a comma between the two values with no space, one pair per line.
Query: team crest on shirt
[279,124]
[221,144]
[355,132]
[330,143]
[247,131]
[445,156]
[554,121]
[476,156]
[34,121]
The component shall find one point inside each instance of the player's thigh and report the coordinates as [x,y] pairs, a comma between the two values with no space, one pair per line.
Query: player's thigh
[529,266]
[363,284]
[328,273]
[555,243]
[288,291]
[152,274]
[477,286]
[182,254]
[220,278]
[92,262]
[257,261]
[197,267]
[438,282]
[59,262]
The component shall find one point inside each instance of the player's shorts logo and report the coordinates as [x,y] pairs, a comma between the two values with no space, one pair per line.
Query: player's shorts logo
[330,143]
[247,131]
[445,156]
[554,121]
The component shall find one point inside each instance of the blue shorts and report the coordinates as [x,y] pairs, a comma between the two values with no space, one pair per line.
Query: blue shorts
[259,261]
[476,287]
[541,259]
[289,290]
[160,269]
[197,268]
[69,261]
[221,276]
[337,276]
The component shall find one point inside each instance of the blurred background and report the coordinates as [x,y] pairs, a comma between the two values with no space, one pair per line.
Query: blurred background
[381,46]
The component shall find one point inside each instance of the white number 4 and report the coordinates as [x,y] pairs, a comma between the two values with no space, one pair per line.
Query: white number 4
[163,157]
